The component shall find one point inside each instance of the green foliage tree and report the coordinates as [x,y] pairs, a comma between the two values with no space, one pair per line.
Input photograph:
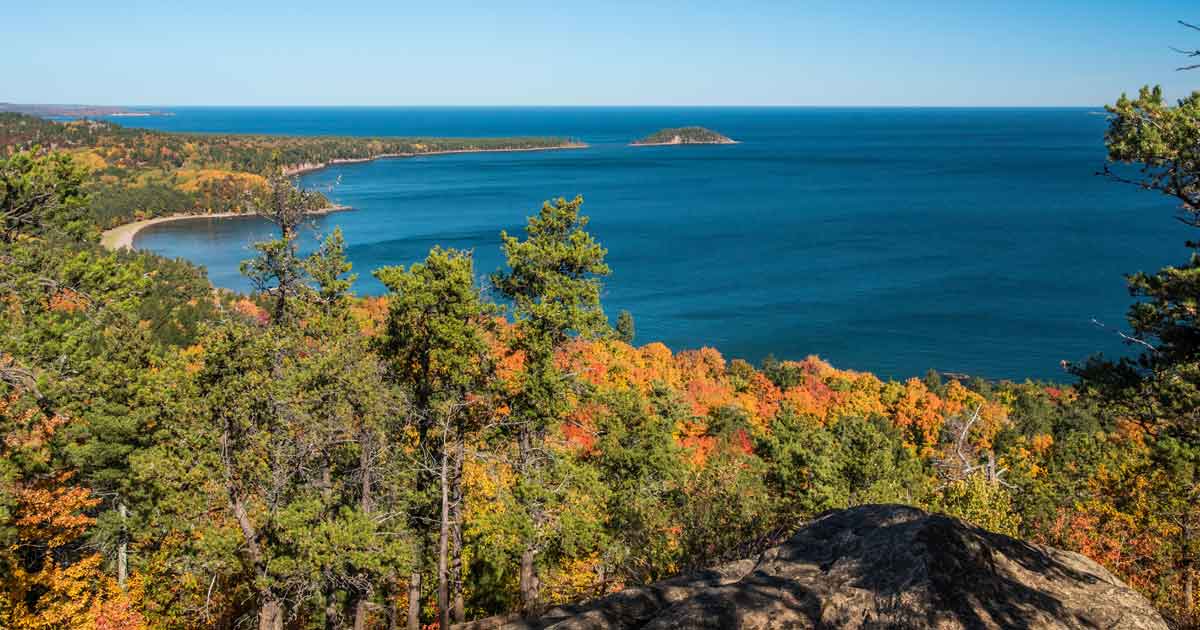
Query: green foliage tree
[437,353]
[42,195]
[277,270]
[979,500]
[553,282]
[1160,389]
[625,328]
[642,471]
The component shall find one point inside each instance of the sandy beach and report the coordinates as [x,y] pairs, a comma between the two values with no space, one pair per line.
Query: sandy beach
[122,236]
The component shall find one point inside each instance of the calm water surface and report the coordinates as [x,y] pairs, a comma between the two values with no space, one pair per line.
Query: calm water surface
[890,240]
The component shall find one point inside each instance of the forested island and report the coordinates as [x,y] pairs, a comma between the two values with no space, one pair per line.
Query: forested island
[683,135]
[301,457]
[138,174]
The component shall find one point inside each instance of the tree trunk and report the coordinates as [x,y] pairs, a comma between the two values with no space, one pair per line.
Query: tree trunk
[270,616]
[1188,584]
[361,614]
[456,535]
[1188,577]
[460,608]
[122,548]
[414,601]
[270,611]
[529,582]
[332,618]
[443,598]
[529,579]
[366,503]
[389,595]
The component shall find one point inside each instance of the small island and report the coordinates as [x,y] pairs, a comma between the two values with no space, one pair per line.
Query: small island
[683,135]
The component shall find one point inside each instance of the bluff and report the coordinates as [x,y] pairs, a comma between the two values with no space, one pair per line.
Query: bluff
[875,566]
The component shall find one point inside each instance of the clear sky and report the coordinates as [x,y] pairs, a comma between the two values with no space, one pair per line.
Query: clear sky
[447,52]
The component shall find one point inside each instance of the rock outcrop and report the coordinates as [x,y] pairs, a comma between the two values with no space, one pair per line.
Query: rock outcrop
[876,566]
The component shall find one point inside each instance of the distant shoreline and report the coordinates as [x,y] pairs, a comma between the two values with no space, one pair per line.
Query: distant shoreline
[122,236]
[303,169]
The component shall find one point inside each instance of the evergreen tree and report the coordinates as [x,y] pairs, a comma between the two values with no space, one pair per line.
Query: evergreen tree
[625,329]
[42,195]
[553,282]
[1160,389]
[278,270]
[436,351]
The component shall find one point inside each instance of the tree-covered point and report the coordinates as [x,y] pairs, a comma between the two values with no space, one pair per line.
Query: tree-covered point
[132,148]
[685,135]
[142,173]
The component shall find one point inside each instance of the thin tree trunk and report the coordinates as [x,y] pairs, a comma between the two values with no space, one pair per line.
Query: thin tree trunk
[456,534]
[361,614]
[444,536]
[123,548]
[270,612]
[389,595]
[460,608]
[1188,577]
[367,504]
[329,594]
[423,481]
[270,616]
[529,586]
[414,601]
[529,579]
[1188,584]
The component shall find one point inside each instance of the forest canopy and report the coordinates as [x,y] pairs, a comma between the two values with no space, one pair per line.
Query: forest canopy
[302,457]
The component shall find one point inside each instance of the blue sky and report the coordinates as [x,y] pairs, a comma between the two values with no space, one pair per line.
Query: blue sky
[445,52]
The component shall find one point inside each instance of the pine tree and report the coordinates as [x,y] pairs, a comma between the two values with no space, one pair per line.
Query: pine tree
[1160,389]
[436,351]
[625,328]
[553,282]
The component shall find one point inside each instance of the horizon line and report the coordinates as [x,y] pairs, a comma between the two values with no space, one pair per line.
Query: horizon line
[552,106]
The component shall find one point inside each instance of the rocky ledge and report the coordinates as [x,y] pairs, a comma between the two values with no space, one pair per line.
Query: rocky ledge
[875,566]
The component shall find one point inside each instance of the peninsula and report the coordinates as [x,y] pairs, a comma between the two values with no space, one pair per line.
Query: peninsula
[140,174]
[683,135]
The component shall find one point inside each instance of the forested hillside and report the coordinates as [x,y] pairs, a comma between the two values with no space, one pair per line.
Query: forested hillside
[138,173]
[179,457]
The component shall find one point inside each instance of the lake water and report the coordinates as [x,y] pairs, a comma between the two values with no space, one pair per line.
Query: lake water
[889,240]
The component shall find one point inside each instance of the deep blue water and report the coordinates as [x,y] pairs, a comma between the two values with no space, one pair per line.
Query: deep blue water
[890,240]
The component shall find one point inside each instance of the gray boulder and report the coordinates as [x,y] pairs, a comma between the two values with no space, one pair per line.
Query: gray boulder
[875,566]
